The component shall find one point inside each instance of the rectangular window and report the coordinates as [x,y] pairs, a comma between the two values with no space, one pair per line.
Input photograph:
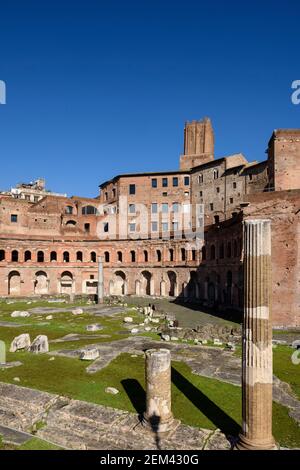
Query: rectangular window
[165,182]
[175,207]
[234,185]
[186,181]
[154,183]
[154,208]
[106,196]
[132,208]
[164,194]
[105,227]
[231,200]
[211,206]
[165,226]
[154,226]
[175,181]
[131,227]
[14,218]
[175,226]
[218,190]
[114,192]
[27,197]
[86,227]
[201,193]
[165,208]
[132,189]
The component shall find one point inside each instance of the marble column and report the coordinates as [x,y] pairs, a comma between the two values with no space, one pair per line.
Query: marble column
[158,415]
[257,367]
[100,280]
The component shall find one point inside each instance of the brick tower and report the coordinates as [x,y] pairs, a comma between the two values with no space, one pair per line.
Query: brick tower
[198,144]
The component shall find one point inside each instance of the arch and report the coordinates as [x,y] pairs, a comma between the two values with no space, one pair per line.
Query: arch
[89,210]
[132,254]
[15,256]
[172,278]
[171,254]
[192,286]
[2,255]
[66,283]
[53,256]
[27,255]
[146,278]
[120,256]
[183,254]
[93,257]
[158,255]
[71,222]
[203,250]
[117,285]
[79,256]
[146,257]
[106,256]
[212,252]
[41,283]
[216,174]
[66,257]
[40,257]
[162,288]
[69,210]
[14,283]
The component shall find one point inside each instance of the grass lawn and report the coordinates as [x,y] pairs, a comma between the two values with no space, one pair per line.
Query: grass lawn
[196,400]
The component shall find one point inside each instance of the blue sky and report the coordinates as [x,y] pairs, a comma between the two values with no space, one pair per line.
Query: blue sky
[100,88]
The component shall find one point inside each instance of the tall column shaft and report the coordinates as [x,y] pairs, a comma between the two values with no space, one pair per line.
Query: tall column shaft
[158,413]
[100,281]
[257,369]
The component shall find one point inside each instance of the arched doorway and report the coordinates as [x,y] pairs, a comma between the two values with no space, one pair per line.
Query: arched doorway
[229,288]
[146,278]
[41,283]
[172,277]
[66,283]
[14,283]
[117,285]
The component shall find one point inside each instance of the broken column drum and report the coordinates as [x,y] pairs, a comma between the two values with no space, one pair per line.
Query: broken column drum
[257,369]
[158,413]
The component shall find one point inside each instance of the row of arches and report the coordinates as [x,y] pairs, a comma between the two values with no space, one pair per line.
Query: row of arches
[223,250]
[144,284]
[41,283]
[39,256]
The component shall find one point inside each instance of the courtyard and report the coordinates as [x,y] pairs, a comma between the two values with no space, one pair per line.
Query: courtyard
[63,399]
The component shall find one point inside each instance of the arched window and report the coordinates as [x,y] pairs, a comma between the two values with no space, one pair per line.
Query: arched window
[216,174]
[120,256]
[14,256]
[229,250]
[66,257]
[203,253]
[69,210]
[146,256]
[212,252]
[235,248]
[40,257]
[200,178]
[158,255]
[194,255]
[27,255]
[221,251]
[89,210]
[53,256]
[2,255]
[183,254]
[93,257]
[171,254]
[79,256]
[132,253]
[106,256]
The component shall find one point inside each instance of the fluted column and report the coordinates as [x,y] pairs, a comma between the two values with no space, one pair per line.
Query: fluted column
[158,415]
[257,367]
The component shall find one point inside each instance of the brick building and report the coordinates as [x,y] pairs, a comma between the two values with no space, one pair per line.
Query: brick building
[141,224]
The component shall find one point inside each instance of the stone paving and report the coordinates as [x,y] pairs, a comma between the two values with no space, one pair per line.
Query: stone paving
[75,424]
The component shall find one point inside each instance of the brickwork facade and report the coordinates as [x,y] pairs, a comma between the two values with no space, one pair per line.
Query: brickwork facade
[51,246]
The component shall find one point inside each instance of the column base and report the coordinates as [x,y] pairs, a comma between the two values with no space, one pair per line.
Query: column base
[247,444]
[158,426]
